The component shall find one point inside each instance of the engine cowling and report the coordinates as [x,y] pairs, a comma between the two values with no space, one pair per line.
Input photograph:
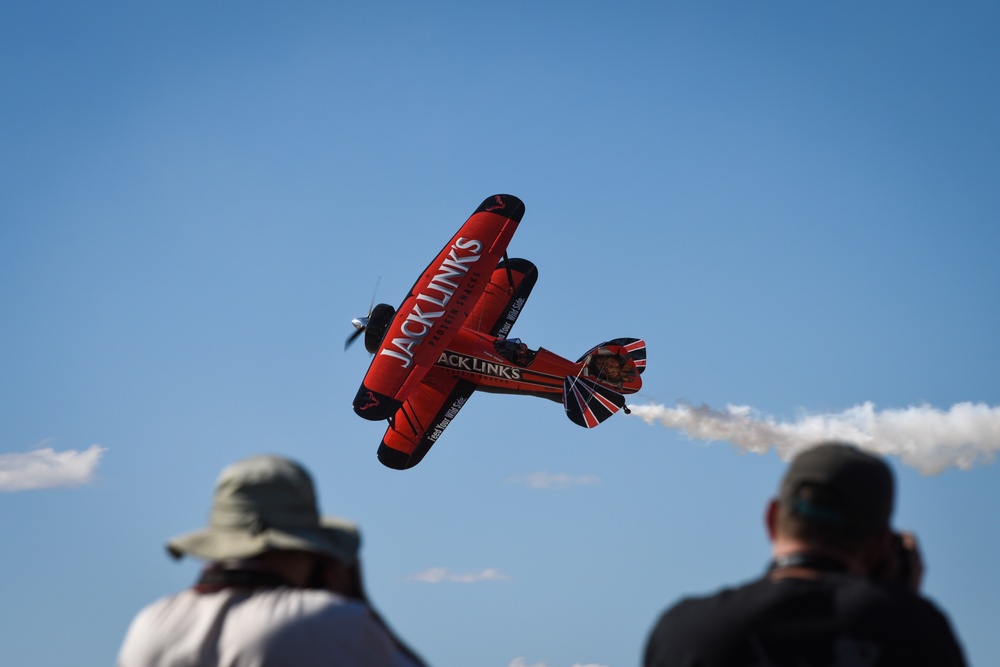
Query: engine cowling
[378,324]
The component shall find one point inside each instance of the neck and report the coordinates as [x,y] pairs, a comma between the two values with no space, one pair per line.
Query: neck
[792,558]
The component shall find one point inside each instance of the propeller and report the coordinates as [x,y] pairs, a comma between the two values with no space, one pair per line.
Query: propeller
[360,324]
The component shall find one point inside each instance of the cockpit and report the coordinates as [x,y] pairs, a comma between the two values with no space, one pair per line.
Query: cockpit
[514,351]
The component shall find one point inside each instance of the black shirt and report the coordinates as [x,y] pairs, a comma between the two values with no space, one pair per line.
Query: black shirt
[838,620]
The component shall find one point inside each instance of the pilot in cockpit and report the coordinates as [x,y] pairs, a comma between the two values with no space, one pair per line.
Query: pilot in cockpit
[514,351]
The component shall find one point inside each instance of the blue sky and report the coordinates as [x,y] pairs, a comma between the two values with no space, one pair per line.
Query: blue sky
[795,205]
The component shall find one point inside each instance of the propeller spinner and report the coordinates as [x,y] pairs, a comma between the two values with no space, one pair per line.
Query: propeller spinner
[373,325]
[360,324]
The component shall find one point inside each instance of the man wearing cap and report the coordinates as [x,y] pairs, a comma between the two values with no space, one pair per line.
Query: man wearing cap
[282,585]
[841,590]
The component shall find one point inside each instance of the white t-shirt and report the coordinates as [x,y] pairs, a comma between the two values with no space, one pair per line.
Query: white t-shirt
[262,627]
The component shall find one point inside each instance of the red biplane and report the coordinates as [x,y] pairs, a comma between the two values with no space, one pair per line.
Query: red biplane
[449,338]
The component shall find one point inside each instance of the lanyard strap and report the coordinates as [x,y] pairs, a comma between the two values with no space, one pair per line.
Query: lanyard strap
[809,561]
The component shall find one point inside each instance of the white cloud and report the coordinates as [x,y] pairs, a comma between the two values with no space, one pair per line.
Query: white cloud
[547,480]
[437,575]
[47,468]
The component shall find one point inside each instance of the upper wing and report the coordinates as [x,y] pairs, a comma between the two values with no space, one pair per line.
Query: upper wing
[437,306]
[422,418]
[504,297]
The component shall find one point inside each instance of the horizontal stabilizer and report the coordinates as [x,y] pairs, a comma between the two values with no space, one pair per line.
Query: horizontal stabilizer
[588,403]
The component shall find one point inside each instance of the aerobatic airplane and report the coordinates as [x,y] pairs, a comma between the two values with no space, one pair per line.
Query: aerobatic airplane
[449,338]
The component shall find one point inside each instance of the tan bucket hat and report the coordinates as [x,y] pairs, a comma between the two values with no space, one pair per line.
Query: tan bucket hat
[267,503]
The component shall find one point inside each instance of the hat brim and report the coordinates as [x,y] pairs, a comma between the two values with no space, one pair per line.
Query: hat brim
[336,538]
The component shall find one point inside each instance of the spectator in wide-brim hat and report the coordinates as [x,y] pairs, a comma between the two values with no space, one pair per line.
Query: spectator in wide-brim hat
[281,586]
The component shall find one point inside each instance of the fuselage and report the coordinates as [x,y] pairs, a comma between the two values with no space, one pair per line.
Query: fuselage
[498,366]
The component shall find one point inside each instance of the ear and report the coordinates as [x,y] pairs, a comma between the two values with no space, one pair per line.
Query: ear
[771,519]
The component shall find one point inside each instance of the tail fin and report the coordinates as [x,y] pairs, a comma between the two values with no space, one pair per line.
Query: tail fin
[588,402]
[634,348]
[607,372]
[616,364]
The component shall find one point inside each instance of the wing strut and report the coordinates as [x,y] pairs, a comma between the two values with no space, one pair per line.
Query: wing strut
[506,263]
[417,428]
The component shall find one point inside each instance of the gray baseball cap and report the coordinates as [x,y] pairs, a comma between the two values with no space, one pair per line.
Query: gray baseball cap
[858,488]
[266,503]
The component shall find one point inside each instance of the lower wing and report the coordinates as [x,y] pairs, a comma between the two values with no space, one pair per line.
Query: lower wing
[422,418]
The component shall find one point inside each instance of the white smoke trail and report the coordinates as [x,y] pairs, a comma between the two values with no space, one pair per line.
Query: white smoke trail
[923,437]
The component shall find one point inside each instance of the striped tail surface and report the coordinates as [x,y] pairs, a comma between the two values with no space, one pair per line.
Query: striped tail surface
[587,402]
